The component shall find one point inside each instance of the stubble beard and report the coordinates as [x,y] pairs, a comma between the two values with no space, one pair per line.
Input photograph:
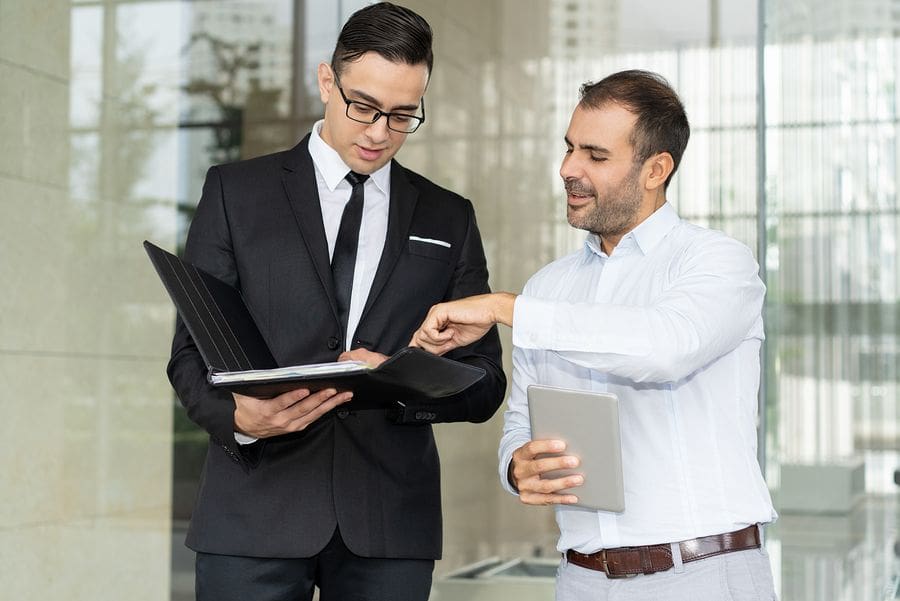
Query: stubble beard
[613,214]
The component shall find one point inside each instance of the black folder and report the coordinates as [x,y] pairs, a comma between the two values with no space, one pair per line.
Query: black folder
[238,358]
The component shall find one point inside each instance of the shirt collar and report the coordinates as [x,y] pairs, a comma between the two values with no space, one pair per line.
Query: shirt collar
[646,235]
[333,168]
[654,228]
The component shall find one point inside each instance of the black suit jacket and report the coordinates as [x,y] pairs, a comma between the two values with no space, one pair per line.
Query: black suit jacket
[374,473]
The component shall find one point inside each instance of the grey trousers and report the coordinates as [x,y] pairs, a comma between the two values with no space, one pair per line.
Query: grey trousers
[738,576]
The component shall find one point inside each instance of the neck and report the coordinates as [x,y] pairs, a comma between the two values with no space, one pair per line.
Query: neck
[648,207]
[608,243]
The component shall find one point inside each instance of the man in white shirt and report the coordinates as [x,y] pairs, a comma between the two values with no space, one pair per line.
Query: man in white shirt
[666,315]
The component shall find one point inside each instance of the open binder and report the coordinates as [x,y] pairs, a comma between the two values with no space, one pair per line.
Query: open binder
[239,360]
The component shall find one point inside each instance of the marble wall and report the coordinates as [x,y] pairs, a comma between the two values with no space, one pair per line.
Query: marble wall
[86,428]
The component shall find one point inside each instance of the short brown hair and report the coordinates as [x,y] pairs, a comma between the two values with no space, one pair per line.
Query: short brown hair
[662,125]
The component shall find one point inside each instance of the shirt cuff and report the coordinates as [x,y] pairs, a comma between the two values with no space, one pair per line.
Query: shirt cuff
[528,311]
[244,439]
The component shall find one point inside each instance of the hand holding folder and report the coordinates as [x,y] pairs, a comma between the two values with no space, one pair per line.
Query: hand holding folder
[238,358]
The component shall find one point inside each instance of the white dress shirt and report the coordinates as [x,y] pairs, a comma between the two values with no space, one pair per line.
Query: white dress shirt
[671,323]
[334,194]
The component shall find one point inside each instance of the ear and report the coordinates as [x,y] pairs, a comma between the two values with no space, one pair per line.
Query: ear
[325,78]
[658,168]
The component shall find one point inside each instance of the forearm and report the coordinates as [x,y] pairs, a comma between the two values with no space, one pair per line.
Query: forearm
[681,330]
[210,408]
[209,247]
[502,307]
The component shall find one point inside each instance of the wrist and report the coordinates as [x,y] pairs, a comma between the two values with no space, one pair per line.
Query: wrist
[509,476]
[503,308]
[239,427]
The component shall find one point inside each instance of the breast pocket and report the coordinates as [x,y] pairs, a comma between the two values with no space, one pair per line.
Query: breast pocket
[432,249]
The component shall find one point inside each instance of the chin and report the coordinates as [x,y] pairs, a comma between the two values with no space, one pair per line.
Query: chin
[576,217]
[367,167]
[577,223]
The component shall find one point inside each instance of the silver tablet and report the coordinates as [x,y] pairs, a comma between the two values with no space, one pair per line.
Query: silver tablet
[589,424]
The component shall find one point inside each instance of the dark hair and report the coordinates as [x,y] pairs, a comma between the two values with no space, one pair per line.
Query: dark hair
[661,126]
[396,33]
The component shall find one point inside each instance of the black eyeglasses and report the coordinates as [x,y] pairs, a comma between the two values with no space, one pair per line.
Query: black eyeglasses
[366,113]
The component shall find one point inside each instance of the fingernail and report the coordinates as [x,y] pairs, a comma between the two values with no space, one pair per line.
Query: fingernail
[557,445]
[578,479]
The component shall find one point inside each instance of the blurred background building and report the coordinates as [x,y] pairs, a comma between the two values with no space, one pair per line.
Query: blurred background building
[112,110]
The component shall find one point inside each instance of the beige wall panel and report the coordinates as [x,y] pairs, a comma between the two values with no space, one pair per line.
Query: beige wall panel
[83,281]
[102,559]
[36,35]
[35,252]
[34,115]
[84,328]
[84,510]
[85,437]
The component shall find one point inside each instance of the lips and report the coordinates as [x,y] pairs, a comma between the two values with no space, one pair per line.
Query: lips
[578,194]
[577,200]
[369,154]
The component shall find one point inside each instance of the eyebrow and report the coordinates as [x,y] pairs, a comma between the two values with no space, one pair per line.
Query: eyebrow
[377,103]
[590,147]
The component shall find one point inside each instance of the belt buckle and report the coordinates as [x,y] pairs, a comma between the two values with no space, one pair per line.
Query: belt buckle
[605,564]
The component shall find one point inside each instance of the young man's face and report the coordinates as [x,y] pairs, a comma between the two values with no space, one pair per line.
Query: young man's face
[376,81]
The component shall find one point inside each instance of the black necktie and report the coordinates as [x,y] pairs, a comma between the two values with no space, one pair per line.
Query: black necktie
[343,260]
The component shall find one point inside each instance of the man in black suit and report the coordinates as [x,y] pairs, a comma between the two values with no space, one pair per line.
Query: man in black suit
[339,252]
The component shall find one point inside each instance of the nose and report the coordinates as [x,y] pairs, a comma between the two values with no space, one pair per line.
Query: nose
[569,168]
[378,132]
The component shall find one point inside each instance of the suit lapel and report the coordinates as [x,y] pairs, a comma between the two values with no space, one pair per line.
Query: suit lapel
[299,180]
[402,206]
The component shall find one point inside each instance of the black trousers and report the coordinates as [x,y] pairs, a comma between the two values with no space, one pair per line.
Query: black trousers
[336,571]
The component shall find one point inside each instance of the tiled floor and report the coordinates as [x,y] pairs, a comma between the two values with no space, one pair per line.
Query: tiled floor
[849,557]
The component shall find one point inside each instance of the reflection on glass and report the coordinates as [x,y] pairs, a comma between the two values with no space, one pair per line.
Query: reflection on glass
[833,169]
[86,47]
[831,107]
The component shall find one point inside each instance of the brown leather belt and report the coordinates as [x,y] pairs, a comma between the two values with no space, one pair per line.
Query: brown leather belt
[623,562]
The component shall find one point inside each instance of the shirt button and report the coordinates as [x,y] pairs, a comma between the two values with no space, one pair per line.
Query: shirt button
[343,413]
[333,343]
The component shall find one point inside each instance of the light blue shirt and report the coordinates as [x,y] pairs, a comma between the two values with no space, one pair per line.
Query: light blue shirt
[671,323]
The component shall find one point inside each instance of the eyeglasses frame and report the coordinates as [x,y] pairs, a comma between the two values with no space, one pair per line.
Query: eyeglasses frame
[380,113]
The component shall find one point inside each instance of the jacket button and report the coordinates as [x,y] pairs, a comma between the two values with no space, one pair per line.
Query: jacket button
[343,413]
[333,343]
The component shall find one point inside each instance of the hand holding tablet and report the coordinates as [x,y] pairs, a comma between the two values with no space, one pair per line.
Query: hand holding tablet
[528,473]
[589,467]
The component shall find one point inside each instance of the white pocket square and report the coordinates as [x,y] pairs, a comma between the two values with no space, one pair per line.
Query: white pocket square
[430,241]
